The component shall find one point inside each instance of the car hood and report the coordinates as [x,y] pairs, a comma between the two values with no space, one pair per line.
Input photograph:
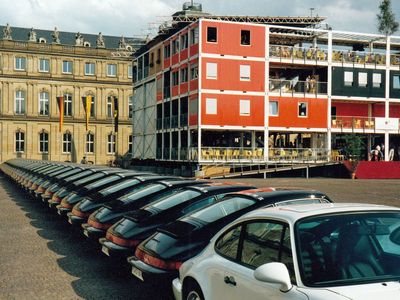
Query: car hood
[373,291]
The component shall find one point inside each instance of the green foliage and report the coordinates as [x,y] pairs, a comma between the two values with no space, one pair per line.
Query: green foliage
[387,24]
[354,146]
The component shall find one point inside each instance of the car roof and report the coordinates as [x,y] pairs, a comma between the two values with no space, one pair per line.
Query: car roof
[220,186]
[180,182]
[294,212]
[277,193]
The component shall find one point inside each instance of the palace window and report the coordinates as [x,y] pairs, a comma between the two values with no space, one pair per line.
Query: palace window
[109,107]
[44,104]
[67,105]
[110,143]
[90,143]
[67,67]
[20,63]
[112,70]
[20,102]
[19,141]
[130,106]
[67,142]
[130,71]
[130,144]
[89,68]
[44,65]
[43,142]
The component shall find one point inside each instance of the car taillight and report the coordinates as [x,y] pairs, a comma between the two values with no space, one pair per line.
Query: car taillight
[78,213]
[121,241]
[40,189]
[156,262]
[98,225]
[65,204]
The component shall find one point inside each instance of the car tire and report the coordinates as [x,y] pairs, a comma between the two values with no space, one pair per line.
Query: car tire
[192,291]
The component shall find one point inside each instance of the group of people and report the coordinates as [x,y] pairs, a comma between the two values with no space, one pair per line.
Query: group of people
[377,154]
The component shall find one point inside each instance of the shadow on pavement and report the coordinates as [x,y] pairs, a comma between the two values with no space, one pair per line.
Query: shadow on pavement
[99,277]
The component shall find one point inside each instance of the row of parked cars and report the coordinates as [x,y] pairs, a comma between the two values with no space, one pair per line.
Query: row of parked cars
[214,240]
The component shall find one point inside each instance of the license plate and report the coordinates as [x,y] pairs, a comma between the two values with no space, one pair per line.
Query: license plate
[136,272]
[85,232]
[105,250]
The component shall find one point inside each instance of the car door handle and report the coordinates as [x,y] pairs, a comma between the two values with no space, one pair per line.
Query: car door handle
[230,280]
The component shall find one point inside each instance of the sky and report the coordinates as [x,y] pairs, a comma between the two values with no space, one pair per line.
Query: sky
[138,18]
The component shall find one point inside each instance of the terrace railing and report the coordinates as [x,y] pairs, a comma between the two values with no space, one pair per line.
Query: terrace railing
[347,122]
[298,88]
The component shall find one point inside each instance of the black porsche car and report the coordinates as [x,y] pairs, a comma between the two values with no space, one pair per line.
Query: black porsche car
[106,182]
[102,219]
[81,211]
[123,237]
[159,257]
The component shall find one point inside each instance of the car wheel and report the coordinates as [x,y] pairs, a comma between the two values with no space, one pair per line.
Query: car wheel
[193,292]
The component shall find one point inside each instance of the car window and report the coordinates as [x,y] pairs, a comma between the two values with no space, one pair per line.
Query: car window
[228,244]
[87,179]
[145,191]
[222,209]
[79,175]
[119,186]
[199,204]
[175,199]
[103,181]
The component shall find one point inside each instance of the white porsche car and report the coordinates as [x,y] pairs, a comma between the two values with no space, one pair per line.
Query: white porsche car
[310,252]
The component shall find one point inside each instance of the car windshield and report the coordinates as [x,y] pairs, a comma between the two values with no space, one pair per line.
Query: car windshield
[222,209]
[102,182]
[119,186]
[351,248]
[143,192]
[90,178]
[79,175]
[178,197]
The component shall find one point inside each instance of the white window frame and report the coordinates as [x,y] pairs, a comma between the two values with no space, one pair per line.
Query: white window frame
[90,68]
[211,106]
[277,108]
[20,63]
[67,67]
[298,109]
[362,79]
[111,143]
[44,65]
[376,80]
[44,104]
[20,102]
[67,105]
[67,142]
[244,107]
[245,72]
[19,141]
[112,70]
[216,35]
[348,75]
[90,142]
[211,70]
[43,142]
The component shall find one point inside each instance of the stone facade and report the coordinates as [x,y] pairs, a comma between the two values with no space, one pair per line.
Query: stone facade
[33,74]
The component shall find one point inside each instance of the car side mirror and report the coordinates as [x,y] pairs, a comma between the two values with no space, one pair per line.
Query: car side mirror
[274,272]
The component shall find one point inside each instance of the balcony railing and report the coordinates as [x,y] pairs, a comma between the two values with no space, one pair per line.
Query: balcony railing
[345,122]
[299,88]
[283,155]
[297,54]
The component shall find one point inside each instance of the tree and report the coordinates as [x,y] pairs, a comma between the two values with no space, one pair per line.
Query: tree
[354,146]
[387,24]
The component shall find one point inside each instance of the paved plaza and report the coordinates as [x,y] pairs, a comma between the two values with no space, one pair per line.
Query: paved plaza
[42,257]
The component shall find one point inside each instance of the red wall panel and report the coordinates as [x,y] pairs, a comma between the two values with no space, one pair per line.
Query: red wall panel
[228,39]
[228,75]
[351,109]
[228,111]
[288,113]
